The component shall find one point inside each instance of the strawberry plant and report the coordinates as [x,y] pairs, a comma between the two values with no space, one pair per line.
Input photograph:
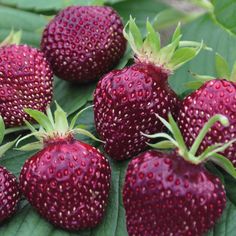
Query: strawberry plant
[212,22]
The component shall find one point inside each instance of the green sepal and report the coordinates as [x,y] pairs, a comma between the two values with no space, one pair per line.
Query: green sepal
[12,38]
[61,122]
[75,118]
[216,118]
[31,147]
[224,163]
[195,45]
[162,145]
[176,133]
[222,67]
[7,146]
[161,135]
[86,133]
[2,129]
[41,118]
[150,51]
[184,55]
[177,33]
[167,52]
[200,80]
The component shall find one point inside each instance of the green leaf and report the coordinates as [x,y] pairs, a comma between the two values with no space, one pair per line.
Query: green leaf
[172,16]
[54,5]
[233,73]
[31,24]
[204,63]
[230,185]
[140,11]
[226,225]
[71,96]
[224,12]
[222,67]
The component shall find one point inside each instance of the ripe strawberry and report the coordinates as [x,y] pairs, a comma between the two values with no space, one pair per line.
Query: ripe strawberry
[84,42]
[172,193]
[125,101]
[213,97]
[25,81]
[9,187]
[9,194]
[68,181]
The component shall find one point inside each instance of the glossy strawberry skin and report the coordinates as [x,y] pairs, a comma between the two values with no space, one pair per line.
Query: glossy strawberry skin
[9,194]
[84,42]
[125,103]
[68,183]
[25,82]
[214,97]
[165,195]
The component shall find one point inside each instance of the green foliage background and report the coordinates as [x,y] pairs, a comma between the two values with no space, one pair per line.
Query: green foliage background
[216,26]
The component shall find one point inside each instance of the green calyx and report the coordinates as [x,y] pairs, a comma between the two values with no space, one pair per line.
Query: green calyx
[6,146]
[212,153]
[12,38]
[149,50]
[52,127]
[222,69]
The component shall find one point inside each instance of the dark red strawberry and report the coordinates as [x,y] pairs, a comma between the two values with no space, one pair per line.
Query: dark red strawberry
[172,193]
[125,101]
[25,81]
[84,42]
[68,181]
[216,96]
[9,194]
[9,187]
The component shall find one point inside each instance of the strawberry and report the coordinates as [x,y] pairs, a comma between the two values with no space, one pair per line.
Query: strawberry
[9,194]
[84,42]
[67,181]
[9,187]
[172,193]
[126,100]
[216,95]
[25,81]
